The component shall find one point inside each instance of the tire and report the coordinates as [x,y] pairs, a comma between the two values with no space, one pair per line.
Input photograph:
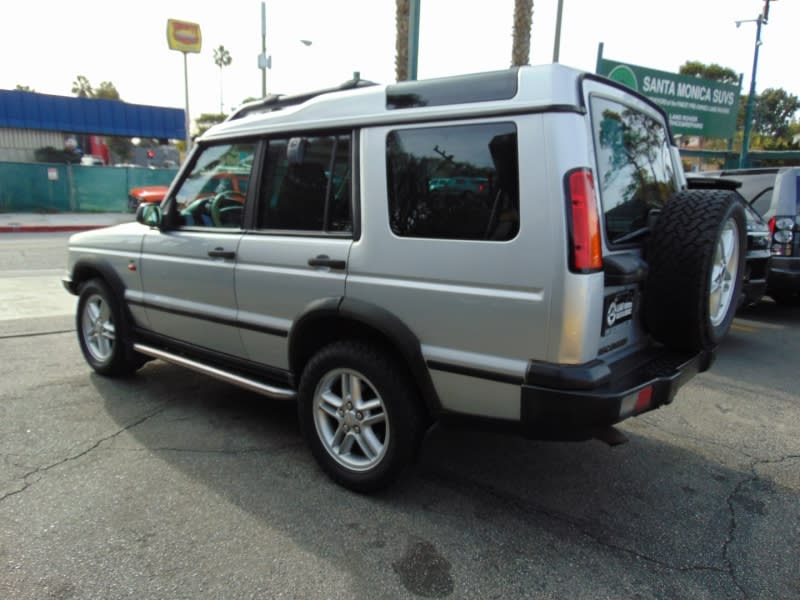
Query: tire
[359,414]
[696,263]
[102,331]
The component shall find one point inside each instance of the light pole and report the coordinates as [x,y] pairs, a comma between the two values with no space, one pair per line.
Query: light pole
[557,42]
[748,116]
[762,19]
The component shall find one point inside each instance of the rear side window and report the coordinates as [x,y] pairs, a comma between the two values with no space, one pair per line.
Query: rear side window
[635,171]
[455,182]
[306,184]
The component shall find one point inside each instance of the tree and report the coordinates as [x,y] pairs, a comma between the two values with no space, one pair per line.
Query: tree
[402,15]
[521,36]
[208,120]
[107,91]
[24,88]
[222,58]
[775,109]
[715,72]
[82,88]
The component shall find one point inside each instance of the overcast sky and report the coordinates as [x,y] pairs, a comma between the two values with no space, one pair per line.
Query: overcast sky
[45,44]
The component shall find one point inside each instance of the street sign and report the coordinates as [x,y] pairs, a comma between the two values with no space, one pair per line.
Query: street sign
[184,36]
[698,107]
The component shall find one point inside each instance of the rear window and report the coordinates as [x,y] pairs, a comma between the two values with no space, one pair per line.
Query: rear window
[634,165]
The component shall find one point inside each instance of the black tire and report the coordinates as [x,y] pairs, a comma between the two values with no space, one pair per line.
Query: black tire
[380,416]
[696,263]
[103,331]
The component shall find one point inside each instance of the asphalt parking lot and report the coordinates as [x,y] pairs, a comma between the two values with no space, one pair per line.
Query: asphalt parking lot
[172,485]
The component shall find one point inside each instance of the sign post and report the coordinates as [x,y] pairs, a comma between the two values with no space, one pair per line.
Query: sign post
[184,37]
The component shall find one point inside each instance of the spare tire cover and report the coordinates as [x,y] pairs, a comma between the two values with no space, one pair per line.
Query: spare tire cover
[696,262]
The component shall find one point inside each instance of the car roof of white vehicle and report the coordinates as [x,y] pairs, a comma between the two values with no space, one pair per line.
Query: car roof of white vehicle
[550,88]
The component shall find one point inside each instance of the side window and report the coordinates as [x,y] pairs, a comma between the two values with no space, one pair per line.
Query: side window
[307,184]
[213,194]
[634,165]
[456,182]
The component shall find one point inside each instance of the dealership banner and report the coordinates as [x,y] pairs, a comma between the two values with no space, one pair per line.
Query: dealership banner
[695,106]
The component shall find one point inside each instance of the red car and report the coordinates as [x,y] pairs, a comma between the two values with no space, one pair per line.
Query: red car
[219,182]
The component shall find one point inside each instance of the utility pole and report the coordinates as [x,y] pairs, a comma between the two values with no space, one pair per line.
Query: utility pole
[557,43]
[744,158]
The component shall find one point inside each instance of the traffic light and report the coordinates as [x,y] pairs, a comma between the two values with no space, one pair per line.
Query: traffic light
[151,154]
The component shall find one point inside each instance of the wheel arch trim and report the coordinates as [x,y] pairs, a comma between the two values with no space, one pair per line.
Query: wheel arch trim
[376,318]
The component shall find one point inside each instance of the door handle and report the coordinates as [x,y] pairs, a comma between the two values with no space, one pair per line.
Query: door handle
[221,253]
[323,260]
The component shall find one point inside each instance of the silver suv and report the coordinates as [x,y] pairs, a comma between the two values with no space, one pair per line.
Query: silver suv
[580,283]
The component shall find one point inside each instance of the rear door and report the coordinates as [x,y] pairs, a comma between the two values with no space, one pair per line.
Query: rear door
[635,176]
[296,251]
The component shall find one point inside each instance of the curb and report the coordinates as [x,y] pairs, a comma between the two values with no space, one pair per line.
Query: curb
[47,228]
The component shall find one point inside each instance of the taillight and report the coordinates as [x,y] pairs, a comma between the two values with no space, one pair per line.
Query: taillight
[585,244]
[782,230]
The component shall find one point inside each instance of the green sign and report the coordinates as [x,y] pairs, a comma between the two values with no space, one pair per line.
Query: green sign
[694,106]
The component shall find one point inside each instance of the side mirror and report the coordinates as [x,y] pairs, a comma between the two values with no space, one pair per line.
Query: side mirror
[149,213]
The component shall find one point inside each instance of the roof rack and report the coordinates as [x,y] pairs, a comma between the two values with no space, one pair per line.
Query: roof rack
[274,102]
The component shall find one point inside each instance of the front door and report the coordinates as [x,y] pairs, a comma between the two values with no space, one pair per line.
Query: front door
[188,269]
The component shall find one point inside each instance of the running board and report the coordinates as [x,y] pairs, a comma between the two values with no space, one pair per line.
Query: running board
[244,382]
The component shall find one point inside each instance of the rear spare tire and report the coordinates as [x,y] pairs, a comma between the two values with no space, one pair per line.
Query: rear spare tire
[696,262]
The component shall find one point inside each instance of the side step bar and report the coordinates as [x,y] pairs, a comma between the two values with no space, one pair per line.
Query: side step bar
[244,382]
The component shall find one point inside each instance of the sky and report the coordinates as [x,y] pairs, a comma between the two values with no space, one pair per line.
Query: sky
[46,44]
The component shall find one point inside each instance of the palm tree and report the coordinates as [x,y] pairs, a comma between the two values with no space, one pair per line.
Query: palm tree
[521,44]
[82,88]
[401,41]
[222,58]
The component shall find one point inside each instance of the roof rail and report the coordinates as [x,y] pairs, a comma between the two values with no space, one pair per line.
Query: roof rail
[274,102]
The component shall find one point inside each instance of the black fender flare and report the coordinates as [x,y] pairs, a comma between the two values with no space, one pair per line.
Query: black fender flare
[376,318]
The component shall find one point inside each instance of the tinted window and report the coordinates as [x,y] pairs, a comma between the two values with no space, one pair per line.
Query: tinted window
[213,193]
[634,166]
[457,182]
[307,184]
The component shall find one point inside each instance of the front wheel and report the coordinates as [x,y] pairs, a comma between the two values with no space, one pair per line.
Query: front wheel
[359,414]
[101,331]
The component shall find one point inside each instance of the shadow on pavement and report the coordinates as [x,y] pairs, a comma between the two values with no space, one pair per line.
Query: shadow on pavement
[491,512]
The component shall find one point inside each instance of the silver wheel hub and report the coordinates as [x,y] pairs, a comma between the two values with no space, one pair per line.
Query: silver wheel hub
[350,419]
[724,272]
[97,327]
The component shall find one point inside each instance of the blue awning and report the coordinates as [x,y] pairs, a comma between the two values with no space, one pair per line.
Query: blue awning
[93,116]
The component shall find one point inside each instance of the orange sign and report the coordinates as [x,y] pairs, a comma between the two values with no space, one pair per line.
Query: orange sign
[183,36]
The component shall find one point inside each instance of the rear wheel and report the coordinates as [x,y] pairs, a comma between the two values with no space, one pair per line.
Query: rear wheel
[102,330]
[359,414]
[696,262]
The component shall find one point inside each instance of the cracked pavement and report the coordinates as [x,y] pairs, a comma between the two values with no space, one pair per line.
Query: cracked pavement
[171,485]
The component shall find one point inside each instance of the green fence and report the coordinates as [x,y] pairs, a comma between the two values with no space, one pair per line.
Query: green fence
[40,187]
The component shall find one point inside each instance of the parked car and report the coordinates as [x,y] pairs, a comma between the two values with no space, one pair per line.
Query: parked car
[775,195]
[91,160]
[585,291]
[218,182]
[754,280]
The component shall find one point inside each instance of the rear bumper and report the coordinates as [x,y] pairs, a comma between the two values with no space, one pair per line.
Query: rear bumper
[573,402]
[783,273]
